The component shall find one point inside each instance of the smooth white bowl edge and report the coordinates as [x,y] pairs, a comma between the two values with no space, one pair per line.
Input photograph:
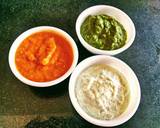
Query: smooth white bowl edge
[135,93]
[119,15]
[27,33]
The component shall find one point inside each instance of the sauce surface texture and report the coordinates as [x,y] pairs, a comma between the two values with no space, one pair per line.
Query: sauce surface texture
[103,32]
[44,56]
[102,92]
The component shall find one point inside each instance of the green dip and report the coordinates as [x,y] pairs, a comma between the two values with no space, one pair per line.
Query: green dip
[103,32]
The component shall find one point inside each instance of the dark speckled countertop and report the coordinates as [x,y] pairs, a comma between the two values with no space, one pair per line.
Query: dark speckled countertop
[20,103]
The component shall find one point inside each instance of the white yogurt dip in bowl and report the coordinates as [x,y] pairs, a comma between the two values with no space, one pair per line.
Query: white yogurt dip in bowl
[104,90]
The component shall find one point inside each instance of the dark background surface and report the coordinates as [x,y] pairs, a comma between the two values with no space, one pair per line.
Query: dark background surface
[20,103]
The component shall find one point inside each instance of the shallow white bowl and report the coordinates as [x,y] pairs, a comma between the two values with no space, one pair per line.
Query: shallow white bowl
[29,32]
[135,93]
[116,13]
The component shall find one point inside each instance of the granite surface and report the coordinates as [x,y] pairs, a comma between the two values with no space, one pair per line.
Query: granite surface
[20,103]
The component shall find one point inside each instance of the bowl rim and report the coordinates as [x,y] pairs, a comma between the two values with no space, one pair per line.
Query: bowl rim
[99,51]
[25,34]
[81,112]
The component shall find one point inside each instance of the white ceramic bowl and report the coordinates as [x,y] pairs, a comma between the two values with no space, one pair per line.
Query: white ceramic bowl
[116,13]
[29,32]
[130,76]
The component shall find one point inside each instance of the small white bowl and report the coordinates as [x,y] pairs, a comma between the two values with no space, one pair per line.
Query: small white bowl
[29,32]
[134,87]
[116,13]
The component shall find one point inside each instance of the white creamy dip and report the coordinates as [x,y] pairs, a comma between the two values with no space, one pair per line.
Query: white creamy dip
[102,92]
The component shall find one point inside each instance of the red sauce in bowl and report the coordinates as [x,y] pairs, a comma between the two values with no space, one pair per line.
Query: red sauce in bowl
[44,56]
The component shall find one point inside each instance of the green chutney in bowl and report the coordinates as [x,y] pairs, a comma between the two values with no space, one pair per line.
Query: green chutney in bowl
[103,32]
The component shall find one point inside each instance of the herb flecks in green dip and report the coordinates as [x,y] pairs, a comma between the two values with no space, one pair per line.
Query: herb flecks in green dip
[103,32]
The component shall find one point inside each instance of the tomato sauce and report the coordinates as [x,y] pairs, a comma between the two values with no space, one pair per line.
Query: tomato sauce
[44,56]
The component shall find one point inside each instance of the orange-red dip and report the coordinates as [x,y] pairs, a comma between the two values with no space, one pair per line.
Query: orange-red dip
[44,56]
